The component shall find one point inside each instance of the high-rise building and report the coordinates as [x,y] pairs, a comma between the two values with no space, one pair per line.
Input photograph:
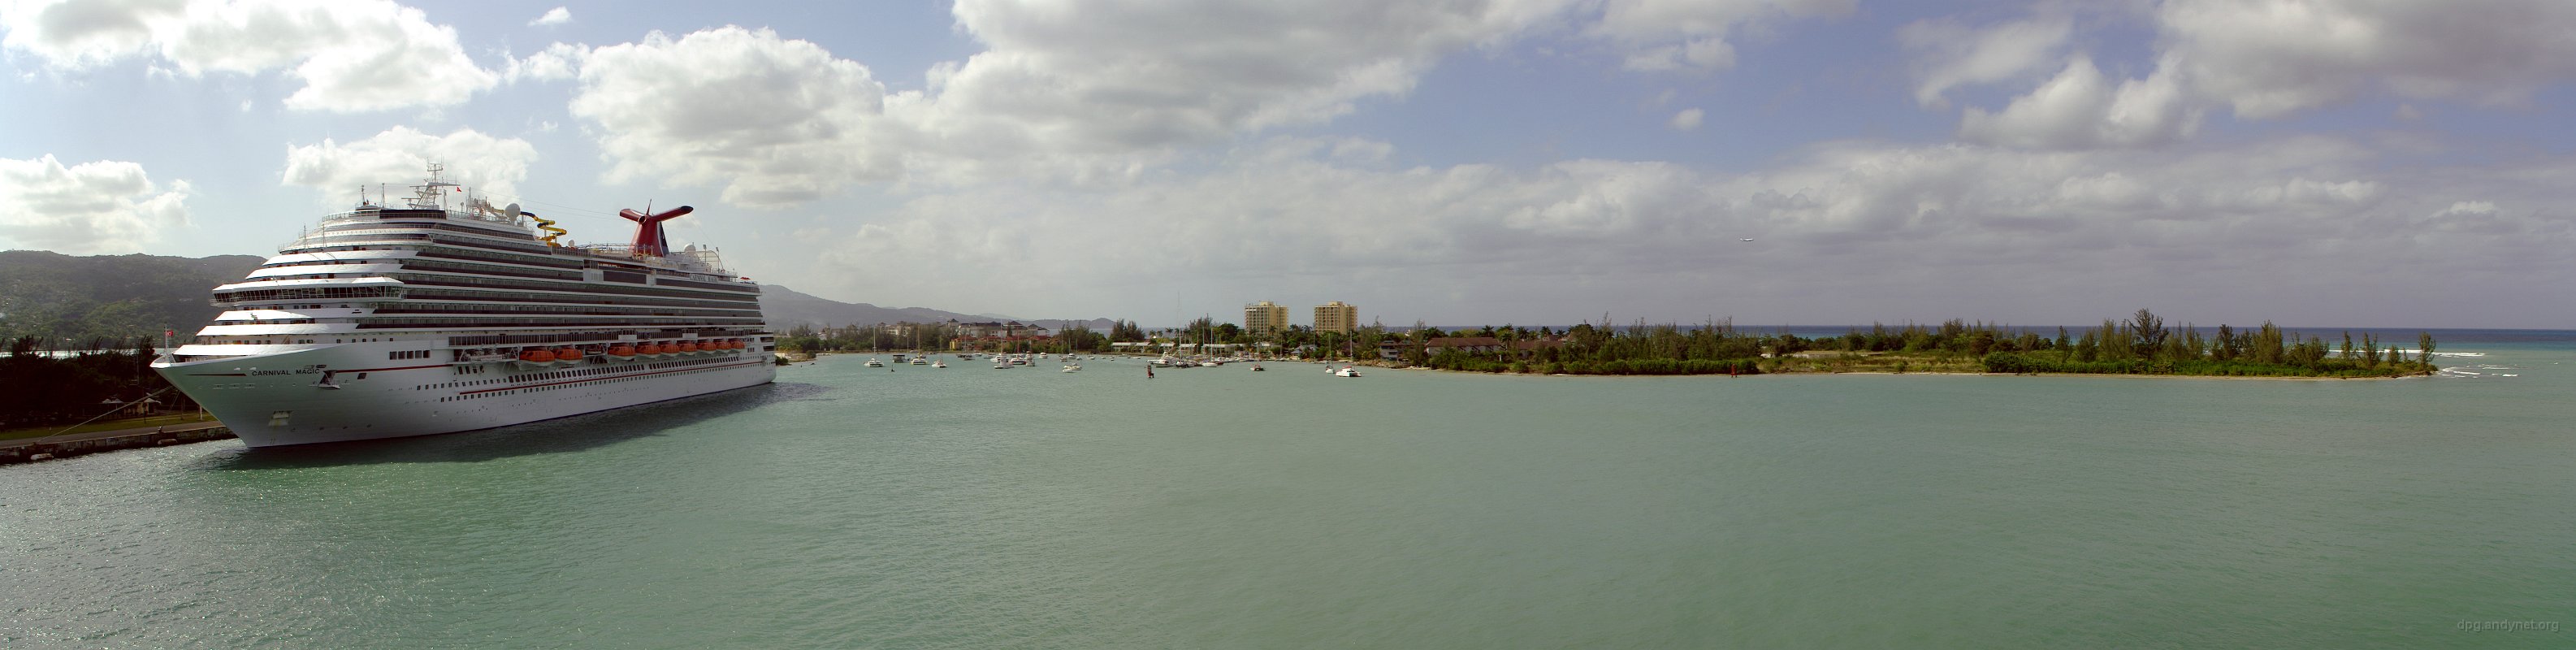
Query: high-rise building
[1264,317]
[1336,317]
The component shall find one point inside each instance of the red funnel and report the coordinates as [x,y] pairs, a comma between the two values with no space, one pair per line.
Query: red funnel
[648,230]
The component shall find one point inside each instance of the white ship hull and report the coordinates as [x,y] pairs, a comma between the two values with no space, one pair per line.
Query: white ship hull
[282,399]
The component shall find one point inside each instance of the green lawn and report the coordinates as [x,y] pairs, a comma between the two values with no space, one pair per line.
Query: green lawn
[104,425]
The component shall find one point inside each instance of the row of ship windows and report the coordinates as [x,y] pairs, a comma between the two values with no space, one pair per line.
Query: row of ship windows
[515,391]
[512,296]
[417,295]
[416,307]
[469,281]
[380,234]
[359,227]
[567,374]
[218,340]
[486,269]
[461,253]
[256,295]
[486,321]
[316,263]
[435,267]
[407,354]
[504,258]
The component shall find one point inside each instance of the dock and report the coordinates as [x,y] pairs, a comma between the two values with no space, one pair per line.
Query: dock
[65,446]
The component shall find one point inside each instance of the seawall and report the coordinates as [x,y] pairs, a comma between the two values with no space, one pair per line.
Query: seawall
[56,447]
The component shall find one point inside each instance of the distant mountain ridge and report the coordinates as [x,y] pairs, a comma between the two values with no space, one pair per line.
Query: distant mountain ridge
[788,308]
[57,296]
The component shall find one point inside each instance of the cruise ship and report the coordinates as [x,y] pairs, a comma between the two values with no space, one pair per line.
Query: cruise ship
[445,313]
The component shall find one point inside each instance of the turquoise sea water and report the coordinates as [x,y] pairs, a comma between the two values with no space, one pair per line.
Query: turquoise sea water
[1220,508]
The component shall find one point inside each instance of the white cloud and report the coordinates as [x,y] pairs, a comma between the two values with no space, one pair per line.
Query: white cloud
[2478,208]
[1115,76]
[2261,58]
[558,61]
[555,16]
[85,209]
[400,155]
[2080,108]
[1686,120]
[774,121]
[1691,34]
[1087,92]
[77,35]
[1948,54]
[352,55]
[1090,93]
[2267,58]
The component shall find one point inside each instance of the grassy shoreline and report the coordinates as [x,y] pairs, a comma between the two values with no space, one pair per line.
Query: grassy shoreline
[108,425]
[1932,373]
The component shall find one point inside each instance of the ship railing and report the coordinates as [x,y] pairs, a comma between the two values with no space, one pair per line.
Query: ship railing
[586,337]
[702,261]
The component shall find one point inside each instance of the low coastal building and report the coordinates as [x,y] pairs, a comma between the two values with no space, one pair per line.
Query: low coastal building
[1467,344]
[1528,349]
[996,335]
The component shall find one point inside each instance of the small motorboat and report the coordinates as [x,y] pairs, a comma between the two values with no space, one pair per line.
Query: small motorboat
[874,363]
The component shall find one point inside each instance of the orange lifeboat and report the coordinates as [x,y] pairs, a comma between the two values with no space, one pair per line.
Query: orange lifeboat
[622,352]
[569,355]
[536,358]
[733,344]
[649,350]
[688,348]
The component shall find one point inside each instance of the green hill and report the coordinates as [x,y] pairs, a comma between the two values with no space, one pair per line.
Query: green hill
[57,296]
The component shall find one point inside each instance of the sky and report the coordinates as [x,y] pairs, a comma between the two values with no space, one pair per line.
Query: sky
[2370,163]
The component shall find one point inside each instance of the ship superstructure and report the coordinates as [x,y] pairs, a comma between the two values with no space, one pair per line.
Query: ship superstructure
[445,313]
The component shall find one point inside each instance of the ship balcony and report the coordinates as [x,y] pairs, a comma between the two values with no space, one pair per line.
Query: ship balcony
[339,271]
[203,351]
[278,329]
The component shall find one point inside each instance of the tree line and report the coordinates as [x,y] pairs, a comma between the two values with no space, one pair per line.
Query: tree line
[2144,344]
[37,388]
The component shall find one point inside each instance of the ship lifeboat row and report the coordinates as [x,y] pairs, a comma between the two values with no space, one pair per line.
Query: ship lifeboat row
[545,357]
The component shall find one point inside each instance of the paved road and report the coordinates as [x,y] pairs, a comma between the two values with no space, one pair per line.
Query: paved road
[111,433]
